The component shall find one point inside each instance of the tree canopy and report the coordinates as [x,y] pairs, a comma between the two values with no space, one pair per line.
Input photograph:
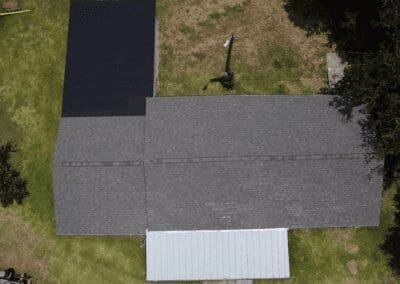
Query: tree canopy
[369,33]
[12,186]
[350,25]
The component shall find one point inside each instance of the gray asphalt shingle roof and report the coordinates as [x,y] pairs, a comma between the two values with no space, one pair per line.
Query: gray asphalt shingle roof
[233,162]
[99,176]
[236,126]
[101,138]
[260,194]
[100,200]
[226,162]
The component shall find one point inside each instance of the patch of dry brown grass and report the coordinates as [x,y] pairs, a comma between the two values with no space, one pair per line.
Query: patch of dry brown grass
[22,248]
[192,34]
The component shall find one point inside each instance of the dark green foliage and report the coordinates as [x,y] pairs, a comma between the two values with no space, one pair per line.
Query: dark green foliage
[389,23]
[391,245]
[373,79]
[375,82]
[369,32]
[12,186]
[350,24]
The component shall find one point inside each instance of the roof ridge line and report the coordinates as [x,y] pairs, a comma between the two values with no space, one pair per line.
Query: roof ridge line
[330,156]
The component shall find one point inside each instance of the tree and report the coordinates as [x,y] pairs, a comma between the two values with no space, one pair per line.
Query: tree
[12,186]
[373,81]
[349,24]
[369,32]
[391,245]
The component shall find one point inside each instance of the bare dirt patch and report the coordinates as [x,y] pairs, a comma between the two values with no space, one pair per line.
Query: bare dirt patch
[352,266]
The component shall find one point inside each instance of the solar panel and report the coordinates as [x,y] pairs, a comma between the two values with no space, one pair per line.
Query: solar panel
[110,59]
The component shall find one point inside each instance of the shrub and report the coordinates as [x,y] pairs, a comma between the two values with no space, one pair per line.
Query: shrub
[12,186]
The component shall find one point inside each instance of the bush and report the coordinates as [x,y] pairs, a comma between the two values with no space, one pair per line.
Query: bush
[12,186]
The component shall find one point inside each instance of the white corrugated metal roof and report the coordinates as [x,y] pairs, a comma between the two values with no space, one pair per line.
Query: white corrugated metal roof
[217,255]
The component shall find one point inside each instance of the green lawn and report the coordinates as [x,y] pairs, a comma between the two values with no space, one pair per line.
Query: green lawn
[330,255]
[270,55]
[32,60]
[271,58]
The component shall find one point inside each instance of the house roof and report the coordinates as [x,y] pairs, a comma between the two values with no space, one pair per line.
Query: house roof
[246,126]
[243,162]
[110,58]
[99,176]
[217,255]
[226,162]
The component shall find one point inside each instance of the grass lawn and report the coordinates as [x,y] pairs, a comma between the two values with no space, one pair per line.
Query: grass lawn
[270,56]
[342,255]
[32,60]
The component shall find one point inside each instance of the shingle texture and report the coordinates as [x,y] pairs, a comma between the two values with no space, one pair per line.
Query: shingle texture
[99,176]
[261,194]
[100,139]
[235,126]
[100,200]
[233,162]
[227,162]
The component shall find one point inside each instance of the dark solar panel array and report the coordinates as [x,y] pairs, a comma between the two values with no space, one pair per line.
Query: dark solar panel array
[110,60]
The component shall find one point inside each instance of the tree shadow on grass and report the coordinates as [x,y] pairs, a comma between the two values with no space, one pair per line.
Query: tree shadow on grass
[347,23]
